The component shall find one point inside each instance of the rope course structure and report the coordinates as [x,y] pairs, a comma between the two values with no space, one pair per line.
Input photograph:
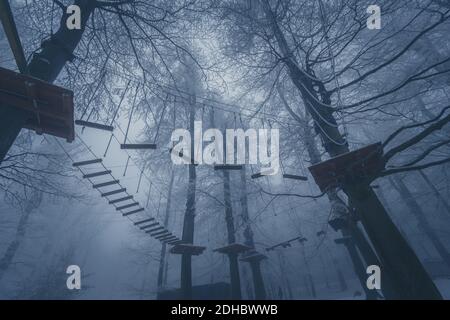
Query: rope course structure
[119,197]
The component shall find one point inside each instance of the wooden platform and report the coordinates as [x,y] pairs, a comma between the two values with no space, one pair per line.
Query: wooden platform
[187,249]
[234,248]
[254,257]
[352,167]
[50,106]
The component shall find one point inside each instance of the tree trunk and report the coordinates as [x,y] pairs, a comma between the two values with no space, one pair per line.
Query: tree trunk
[420,215]
[189,215]
[397,257]
[11,250]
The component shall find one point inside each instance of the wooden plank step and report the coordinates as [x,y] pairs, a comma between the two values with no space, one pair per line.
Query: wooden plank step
[94,125]
[152,230]
[134,204]
[150,225]
[126,214]
[105,184]
[87,162]
[165,236]
[143,221]
[228,167]
[159,233]
[121,199]
[96,174]
[107,194]
[172,238]
[295,177]
[138,146]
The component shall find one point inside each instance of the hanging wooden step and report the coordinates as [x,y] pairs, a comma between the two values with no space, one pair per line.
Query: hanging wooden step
[107,194]
[126,214]
[94,125]
[234,248]
[105,184]
[138,146]
[87,162]
[165,236]
[159,233]
[143,221]
[96,174]
[150,226]
[175,242]
[295,177]
[169,238]
[257,175]
[134,204]
[152,230]
[228,167]
[173,238]
[264,173]
[121,199]
[188,249]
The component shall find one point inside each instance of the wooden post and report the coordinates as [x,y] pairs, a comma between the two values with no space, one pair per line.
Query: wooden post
[233,257]
[166,224]
[258,281]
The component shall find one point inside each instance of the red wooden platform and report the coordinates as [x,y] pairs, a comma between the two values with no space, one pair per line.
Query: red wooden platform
[352,167]
[50,106]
